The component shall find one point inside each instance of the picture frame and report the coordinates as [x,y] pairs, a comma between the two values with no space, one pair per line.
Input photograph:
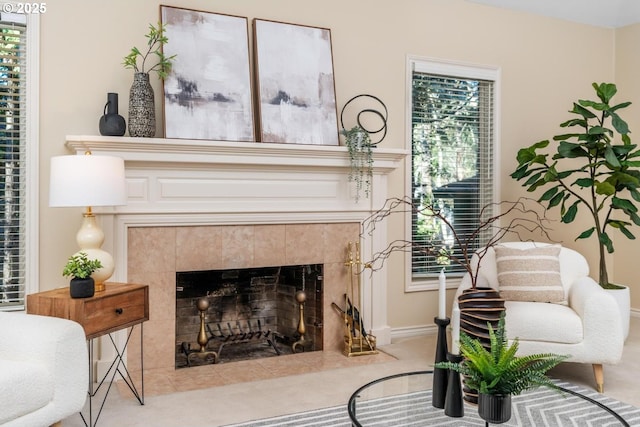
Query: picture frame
[208,94]
[295,84]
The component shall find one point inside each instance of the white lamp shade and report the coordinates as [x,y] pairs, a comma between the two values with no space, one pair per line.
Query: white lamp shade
[87,180]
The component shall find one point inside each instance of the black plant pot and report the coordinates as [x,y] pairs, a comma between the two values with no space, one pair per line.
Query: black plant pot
[494,408]
[82,288]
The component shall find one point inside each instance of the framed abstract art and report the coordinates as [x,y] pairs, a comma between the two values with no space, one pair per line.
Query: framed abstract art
[207,94]
[295,84]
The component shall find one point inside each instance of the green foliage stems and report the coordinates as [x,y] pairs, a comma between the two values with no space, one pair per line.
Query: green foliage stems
[155,40]
[595,172]
[80,266]
[358,143]
[498,370]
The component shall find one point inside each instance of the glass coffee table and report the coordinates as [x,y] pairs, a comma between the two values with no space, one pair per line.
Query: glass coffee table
[405,400]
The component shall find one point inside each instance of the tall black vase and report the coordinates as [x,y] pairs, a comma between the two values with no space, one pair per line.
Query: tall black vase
[142,110]
[111,123]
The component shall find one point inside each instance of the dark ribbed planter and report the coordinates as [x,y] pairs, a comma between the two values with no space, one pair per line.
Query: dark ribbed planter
[81,288]
[495,408]
[478,307]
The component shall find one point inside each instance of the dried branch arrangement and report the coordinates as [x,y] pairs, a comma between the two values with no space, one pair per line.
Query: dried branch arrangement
[517,218]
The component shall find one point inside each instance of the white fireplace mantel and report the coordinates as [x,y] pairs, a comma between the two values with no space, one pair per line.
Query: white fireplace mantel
[178,182]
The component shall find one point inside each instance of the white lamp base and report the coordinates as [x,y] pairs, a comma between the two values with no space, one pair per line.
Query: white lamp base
[89,238]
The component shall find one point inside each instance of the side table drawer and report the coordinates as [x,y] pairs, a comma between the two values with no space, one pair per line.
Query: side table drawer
[114,312]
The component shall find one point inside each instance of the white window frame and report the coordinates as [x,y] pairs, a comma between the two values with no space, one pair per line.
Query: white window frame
[454,69]
[32,147]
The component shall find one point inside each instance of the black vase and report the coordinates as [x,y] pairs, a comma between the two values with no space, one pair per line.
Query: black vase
[478,308]
[82,288]
[494,408]
[111,123]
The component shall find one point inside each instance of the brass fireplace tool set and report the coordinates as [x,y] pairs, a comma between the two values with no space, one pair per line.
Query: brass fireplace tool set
[357,341]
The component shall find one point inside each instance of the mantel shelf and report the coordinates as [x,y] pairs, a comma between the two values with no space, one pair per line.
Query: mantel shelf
[165,150]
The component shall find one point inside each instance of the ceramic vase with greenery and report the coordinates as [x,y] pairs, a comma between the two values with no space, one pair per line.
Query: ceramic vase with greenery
[142,118]
[79,267]
[497,372]
[358,143]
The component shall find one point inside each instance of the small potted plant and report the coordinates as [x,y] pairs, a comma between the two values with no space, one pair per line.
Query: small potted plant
[142,120]
[498,373]
[79,267]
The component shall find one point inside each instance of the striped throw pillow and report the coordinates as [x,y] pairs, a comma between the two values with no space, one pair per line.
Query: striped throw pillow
[530,274]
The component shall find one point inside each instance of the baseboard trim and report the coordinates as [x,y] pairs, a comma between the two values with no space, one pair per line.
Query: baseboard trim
[416,331]
[413,331]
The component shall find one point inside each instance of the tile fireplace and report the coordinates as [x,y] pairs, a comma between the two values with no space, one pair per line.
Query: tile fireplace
[206,205]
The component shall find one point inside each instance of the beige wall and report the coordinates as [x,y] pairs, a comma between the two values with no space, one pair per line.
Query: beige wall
[545,65]
[624,265]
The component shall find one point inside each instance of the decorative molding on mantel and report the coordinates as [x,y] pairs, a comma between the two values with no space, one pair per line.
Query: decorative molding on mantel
[229,152]
[175,182]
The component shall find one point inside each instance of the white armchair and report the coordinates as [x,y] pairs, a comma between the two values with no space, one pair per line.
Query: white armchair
[44,369]
[588,328]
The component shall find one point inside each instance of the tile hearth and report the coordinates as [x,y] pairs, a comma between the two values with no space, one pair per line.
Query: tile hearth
[164,381]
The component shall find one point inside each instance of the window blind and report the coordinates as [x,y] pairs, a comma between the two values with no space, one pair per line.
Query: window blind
[12,160]
[452,163]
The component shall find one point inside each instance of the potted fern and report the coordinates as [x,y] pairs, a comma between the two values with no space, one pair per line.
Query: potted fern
[79,267]
[497,373]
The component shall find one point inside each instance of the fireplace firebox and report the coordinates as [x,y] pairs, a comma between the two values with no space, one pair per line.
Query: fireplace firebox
[247,313]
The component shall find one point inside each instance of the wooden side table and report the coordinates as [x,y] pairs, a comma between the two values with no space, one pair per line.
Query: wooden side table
[119,306]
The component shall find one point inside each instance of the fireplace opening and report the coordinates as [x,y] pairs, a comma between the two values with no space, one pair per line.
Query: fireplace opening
[238,314]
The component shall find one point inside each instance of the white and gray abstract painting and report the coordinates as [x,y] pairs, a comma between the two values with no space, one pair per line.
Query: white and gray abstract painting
[296,87]
[207,95]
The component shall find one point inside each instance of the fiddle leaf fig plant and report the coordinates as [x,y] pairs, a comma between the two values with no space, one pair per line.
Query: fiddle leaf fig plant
[595,167]
[155,40]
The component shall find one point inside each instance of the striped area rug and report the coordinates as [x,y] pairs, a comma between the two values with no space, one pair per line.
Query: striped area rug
[541,407]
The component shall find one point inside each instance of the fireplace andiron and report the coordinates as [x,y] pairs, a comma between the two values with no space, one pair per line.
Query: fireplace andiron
[301,297]
[203,340]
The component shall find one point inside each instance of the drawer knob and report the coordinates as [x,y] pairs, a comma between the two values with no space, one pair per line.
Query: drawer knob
[119,310]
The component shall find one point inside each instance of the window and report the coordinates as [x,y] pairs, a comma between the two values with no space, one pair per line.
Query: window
[452,138]
[18,161]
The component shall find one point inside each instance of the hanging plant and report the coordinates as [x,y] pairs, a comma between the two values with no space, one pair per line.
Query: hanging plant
[358,143]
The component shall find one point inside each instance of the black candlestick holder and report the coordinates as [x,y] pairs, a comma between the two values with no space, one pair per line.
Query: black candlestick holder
[453,403]
[440,376]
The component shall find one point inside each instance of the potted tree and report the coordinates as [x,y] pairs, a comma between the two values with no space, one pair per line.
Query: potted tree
[595,166]
[79,267]
[497,373]
[142,119]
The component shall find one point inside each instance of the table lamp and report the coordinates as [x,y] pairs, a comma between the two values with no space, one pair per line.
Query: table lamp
[88,181]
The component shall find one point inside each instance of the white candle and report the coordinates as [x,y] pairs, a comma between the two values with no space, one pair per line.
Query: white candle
[442,295]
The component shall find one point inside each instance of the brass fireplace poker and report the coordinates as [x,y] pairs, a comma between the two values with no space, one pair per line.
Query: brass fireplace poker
[357,341]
